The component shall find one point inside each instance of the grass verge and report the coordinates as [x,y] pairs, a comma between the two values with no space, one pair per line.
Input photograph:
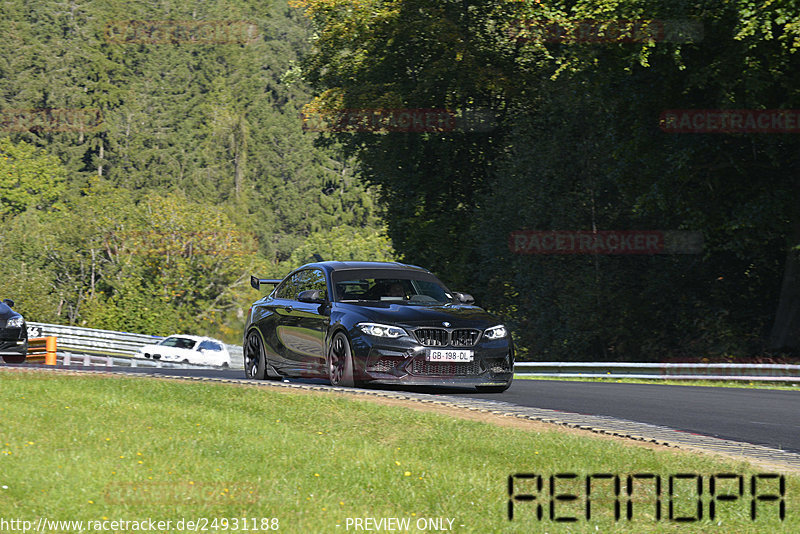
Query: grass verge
[95,448]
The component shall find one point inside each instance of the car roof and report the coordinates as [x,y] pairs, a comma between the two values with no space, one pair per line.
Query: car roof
[194,338]
[331,266]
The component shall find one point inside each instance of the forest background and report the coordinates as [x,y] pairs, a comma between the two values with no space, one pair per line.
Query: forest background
[185,166]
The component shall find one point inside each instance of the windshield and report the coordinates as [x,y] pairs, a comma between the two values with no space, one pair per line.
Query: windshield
[393,286]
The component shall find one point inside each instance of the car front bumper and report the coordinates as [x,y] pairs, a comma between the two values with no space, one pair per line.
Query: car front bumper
[13,347]
[405,361]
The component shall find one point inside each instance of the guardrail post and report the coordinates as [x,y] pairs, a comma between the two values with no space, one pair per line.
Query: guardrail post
[66,358]
[50,351]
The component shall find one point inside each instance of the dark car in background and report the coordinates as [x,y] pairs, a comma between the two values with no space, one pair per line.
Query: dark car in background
[13,334]
[374,322]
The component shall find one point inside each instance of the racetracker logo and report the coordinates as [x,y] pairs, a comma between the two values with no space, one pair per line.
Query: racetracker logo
[180,491]
[730,121]
[592,31]
[50,120]
[605,242]
[157,242]
[398,120]
[210,32]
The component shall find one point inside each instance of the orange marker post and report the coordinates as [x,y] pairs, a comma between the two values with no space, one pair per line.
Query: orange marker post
[50,350]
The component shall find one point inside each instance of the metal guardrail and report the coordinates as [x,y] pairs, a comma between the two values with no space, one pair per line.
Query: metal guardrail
[664,371]
[89,346]
[110,346]
[90,360]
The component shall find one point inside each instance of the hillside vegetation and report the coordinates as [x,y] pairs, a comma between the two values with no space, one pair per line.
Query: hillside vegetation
[192,168]
[182,168]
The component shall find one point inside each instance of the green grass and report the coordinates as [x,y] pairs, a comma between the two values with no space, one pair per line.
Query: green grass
[707,383]
[88,448]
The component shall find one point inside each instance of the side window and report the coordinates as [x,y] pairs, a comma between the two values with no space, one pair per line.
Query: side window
[316,281]
[311,279]
[209,345]
[287,288]
[302,281]
[184,343]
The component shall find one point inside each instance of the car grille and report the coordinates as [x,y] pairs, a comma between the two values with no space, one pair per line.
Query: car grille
[439,337]
[384,365]
[432,337]
[421,367]
[464,337]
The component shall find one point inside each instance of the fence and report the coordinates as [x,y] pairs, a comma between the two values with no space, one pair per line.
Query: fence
[106,347]
[665,371]
[88,346]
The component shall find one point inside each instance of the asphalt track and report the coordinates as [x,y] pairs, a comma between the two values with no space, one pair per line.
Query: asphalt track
[758,416]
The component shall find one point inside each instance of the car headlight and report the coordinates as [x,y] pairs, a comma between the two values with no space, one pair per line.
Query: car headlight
[15,322]
[496,332]
[382,330]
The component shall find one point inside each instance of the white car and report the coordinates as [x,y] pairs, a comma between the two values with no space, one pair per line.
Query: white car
[189,349]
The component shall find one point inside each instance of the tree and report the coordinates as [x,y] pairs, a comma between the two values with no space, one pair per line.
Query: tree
[30,178]
[578,146]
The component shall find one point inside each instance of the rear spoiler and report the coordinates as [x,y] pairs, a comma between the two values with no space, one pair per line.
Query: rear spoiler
[256,283]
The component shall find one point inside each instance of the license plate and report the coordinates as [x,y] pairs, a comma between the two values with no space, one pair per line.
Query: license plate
[439,355]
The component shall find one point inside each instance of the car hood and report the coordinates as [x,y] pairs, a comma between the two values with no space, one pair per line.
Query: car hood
[458,316]
[154,345]
[6,313]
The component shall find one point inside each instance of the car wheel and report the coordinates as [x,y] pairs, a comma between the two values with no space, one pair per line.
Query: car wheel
[255,364]
[340,361]
[14,358]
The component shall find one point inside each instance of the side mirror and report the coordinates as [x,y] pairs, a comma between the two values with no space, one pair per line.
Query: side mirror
[311,296]
[464,298]
[8,302]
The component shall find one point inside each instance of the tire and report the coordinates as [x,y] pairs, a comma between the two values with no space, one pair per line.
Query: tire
[13,358]
[255,363]
[340,361]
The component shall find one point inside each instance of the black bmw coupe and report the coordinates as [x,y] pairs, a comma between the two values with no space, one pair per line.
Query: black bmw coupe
[373,322]
[13,334]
